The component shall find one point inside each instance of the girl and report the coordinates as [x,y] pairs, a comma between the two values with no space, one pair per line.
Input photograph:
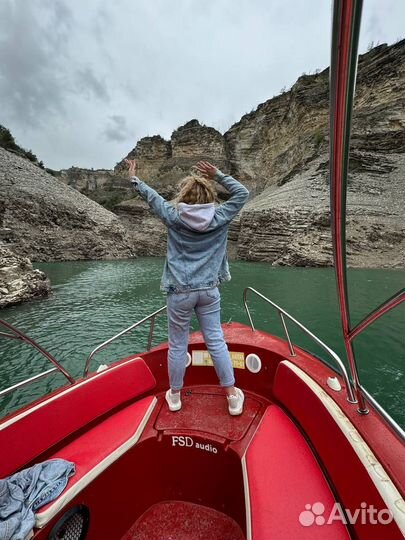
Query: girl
[195,265]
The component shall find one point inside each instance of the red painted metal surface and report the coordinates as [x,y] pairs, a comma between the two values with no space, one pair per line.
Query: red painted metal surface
[345,35]
[392,303]
[340,134]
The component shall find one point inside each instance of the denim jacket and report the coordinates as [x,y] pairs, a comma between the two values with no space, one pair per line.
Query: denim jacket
[197,236]
[28,490]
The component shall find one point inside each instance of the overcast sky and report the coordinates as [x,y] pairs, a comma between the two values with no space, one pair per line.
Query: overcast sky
[82,81]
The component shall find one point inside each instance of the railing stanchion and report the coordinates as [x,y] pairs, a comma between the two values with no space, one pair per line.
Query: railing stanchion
[287,335]
[123,332]
[151,329]
[247,309]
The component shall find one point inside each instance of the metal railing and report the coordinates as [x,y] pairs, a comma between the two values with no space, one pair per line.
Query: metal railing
[151,317]
[27,381]
[16,334]
[282,313]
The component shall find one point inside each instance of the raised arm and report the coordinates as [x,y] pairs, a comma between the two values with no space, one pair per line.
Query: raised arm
[164,210]
[239,194]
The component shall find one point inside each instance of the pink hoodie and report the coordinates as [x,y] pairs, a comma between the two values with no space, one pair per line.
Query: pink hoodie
[196,216]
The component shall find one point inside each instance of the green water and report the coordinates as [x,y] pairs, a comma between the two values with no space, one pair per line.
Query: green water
[92,301]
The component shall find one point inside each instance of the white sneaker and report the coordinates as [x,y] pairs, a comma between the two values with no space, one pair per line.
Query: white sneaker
[173,400]
[235,403]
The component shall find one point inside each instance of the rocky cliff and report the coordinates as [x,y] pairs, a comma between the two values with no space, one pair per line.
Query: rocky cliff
[50,221]
[164,163]
[104,186]
[87,180]
[289,222]
[280,151]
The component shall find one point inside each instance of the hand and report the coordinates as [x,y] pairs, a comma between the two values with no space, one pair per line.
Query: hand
[207,169]
[132,165]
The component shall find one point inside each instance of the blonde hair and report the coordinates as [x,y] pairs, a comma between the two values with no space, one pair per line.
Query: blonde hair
[195,189]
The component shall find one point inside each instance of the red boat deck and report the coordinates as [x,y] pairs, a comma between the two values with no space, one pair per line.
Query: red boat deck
[204,410]
[203,417]
[183,521]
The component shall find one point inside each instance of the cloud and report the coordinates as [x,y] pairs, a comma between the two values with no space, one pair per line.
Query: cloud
[90,85]
[32,57]
[80,82]
[117,129]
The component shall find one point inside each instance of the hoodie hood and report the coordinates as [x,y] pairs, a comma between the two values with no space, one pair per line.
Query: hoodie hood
[196,216]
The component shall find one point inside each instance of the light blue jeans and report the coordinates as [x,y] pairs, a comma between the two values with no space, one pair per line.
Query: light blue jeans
[207,306]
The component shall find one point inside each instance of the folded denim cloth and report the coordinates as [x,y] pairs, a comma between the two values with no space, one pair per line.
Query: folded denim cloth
[28,490]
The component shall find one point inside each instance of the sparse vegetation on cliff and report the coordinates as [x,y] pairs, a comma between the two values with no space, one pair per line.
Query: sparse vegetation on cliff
[7,142]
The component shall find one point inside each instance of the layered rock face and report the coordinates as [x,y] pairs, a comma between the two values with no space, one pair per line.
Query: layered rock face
[148,234]
[376,196]
[87,180]
[289,222]
[163,163]
[19,282]
[151,153]
[280,152]
[51,221]
[104,186]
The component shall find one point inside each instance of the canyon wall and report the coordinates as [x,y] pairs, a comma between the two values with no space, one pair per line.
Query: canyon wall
[279,151]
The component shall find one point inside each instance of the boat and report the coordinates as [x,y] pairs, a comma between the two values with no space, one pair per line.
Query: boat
[313,456]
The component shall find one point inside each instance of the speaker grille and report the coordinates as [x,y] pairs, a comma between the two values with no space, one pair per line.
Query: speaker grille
[73,525]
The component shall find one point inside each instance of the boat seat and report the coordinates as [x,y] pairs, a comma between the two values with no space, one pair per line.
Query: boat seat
[96,449]
[58,416]
[283,479]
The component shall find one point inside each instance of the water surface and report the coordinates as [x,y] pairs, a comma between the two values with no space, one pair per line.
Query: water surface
[93,300]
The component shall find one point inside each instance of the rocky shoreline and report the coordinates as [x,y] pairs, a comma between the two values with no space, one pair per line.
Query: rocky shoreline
[19,281]
[43,219]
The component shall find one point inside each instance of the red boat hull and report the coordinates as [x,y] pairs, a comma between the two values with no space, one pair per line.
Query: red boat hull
[256,472]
